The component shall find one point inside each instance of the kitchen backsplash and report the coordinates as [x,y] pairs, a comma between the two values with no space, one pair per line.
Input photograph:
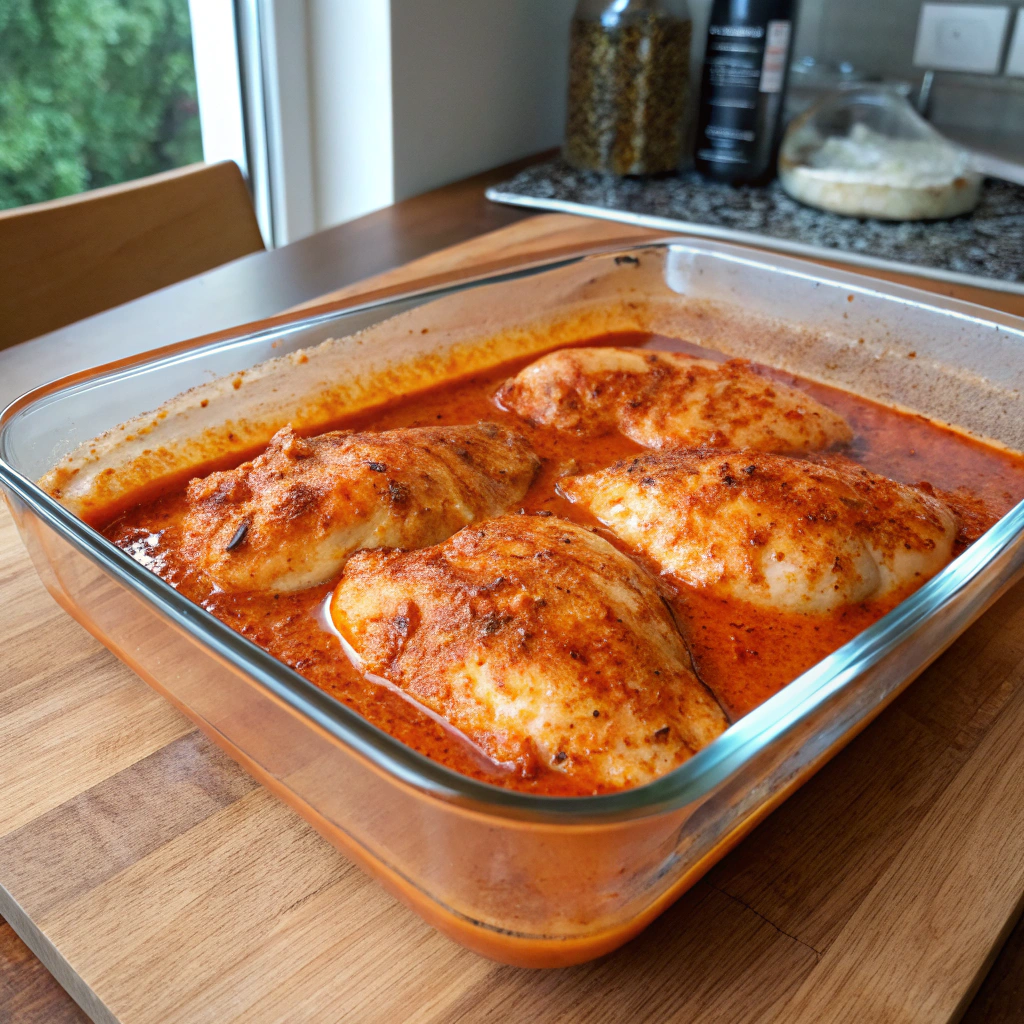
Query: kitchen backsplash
[877,37]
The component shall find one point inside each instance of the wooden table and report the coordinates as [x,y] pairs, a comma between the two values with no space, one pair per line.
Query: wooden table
[907,775]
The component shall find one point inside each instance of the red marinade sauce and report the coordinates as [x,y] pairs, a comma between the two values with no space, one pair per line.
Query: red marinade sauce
[743,653]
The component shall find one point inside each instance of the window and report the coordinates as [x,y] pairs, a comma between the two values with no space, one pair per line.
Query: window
[92,93]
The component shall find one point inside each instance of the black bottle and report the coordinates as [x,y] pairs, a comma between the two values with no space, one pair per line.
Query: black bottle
[742,87]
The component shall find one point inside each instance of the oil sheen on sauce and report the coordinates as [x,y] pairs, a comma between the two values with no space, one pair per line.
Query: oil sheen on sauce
[744,654]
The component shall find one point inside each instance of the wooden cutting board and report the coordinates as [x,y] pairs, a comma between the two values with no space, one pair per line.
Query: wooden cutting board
[160,884]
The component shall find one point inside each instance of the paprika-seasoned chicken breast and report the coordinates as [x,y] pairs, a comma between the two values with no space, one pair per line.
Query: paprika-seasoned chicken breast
[537,640]
[777,531]
[665,398]
[288,519]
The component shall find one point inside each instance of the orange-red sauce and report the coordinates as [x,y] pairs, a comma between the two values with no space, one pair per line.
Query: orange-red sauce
[744,654]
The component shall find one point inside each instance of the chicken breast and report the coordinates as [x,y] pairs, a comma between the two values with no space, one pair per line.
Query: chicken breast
[777,531]
[665,398]
[288,519]
[537,640]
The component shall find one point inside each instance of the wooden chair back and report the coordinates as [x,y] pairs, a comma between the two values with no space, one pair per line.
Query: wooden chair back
[66,259]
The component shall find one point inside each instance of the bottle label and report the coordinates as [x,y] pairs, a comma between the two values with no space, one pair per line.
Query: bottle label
[737,31]
[776,49]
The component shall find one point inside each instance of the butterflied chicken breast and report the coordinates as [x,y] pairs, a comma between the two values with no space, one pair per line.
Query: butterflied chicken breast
[777,531]
[288,519]
[665,398]
[537,640]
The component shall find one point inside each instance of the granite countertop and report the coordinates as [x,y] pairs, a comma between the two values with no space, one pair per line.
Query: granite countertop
[988,243]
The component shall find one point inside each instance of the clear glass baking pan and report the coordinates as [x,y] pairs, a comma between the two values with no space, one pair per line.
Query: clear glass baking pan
[540,881]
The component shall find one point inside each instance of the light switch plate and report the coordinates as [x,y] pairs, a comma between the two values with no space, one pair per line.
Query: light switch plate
[1015,56]
[961,37]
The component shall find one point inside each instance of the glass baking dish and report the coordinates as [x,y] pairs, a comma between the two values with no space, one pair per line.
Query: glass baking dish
[537,881]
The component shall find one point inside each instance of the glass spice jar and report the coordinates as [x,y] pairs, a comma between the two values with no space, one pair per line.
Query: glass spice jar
[629,83]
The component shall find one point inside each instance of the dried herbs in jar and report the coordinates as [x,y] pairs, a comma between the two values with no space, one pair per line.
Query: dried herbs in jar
[629,77]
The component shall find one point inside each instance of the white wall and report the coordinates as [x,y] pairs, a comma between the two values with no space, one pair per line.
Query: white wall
[379,100]
[286,84]
[350,107]
[475,83]
[408,95]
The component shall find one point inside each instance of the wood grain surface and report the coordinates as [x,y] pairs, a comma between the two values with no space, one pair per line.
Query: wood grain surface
[159,883]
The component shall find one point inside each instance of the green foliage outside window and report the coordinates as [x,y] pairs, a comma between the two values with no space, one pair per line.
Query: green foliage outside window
[93,92]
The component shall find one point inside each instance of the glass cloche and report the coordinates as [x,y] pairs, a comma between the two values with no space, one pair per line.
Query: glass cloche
[865,152]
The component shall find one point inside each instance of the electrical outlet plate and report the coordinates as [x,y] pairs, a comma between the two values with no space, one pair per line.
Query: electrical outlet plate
[1015,56]
[961,37]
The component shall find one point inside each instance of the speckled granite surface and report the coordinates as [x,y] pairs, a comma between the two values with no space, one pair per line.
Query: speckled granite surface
[988,243]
